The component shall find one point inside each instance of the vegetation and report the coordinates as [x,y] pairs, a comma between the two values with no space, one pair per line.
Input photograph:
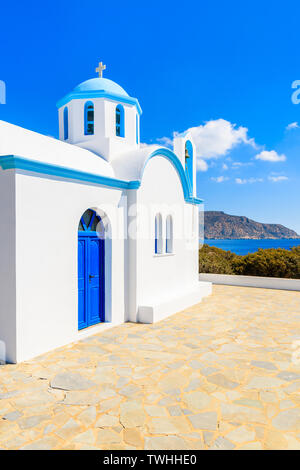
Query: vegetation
[269,262]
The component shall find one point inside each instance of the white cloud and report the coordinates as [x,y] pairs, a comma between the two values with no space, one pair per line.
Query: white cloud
[216,138]
[236,165]
[292,125]
[270,156]
[201,165]
[277,179]
[166,141]
[248,180]
[219,179]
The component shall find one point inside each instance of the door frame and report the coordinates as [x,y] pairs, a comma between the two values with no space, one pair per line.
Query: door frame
[94,235]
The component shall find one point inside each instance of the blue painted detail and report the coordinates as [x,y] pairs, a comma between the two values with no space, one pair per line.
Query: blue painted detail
[90,94]
[91,276]
[89,118]
[181,173]
[101,84]
[189,164]
[11,161]
[66,123]
[120,121]
[8,162]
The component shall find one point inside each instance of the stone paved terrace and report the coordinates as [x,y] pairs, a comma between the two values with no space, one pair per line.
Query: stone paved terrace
[224,374]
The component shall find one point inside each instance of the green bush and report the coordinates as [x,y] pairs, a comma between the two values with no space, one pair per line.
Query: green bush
[214,260]
[269,262]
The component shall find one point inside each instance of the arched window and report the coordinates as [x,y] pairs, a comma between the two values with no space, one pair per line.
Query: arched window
[90,222]
[189,163]
[169,234]
[137,129]
[158,234]
[120,125]
[66,123]
[88,118]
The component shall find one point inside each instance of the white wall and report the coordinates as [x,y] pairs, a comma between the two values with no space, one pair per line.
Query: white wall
[48,213]
[252,281]
[160,278]
[7,267]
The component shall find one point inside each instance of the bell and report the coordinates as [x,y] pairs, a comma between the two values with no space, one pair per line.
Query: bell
[186,153]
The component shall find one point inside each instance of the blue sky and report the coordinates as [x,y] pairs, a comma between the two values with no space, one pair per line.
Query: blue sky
[224,69]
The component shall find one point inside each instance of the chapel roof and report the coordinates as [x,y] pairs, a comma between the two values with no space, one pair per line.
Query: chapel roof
[100,84]
[15,140]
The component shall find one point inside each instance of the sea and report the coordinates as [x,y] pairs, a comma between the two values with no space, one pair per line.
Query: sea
[243,247]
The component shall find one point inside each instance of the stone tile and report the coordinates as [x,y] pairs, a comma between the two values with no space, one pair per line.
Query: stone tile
[249,402]
[33,421]
[71,381]
[243,414]
[221,443]
[133,437]
[165,443]
[86,437]
[172,425]
[196,400]
[288,420]
[13,415]
[288,376]
[46,443]
[222,381]
[264,365]
[175,410]
[107,421]
[132,414]
[154,410]
[264,383]
[206,421]
[88,416]
[241,434]
[252,446]
[108,437]
[68,430]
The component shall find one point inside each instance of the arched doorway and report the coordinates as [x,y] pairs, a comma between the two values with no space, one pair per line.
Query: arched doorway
[91,270]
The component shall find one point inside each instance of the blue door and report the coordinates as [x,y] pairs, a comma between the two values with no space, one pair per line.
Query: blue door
[90,273]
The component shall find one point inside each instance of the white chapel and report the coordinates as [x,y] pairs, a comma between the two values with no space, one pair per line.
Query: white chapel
[96,229]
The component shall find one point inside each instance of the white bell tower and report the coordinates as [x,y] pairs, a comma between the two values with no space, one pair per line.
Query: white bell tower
[100,116]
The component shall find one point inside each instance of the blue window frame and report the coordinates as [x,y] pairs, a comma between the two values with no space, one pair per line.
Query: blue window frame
[120,125]
[89,118]
[66,124]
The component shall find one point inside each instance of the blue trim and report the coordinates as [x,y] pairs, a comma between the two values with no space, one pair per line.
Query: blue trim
[164,152]
[8,162]
[189,166]
[99,94]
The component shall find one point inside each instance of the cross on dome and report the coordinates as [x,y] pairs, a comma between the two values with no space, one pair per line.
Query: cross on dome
[100,69]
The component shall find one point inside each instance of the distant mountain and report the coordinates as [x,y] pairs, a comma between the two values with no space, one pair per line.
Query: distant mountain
[217,224]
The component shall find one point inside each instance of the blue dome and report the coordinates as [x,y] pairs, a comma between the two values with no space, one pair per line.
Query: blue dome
[101,84]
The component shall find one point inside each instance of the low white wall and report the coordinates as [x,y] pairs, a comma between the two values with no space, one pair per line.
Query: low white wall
[252,281]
